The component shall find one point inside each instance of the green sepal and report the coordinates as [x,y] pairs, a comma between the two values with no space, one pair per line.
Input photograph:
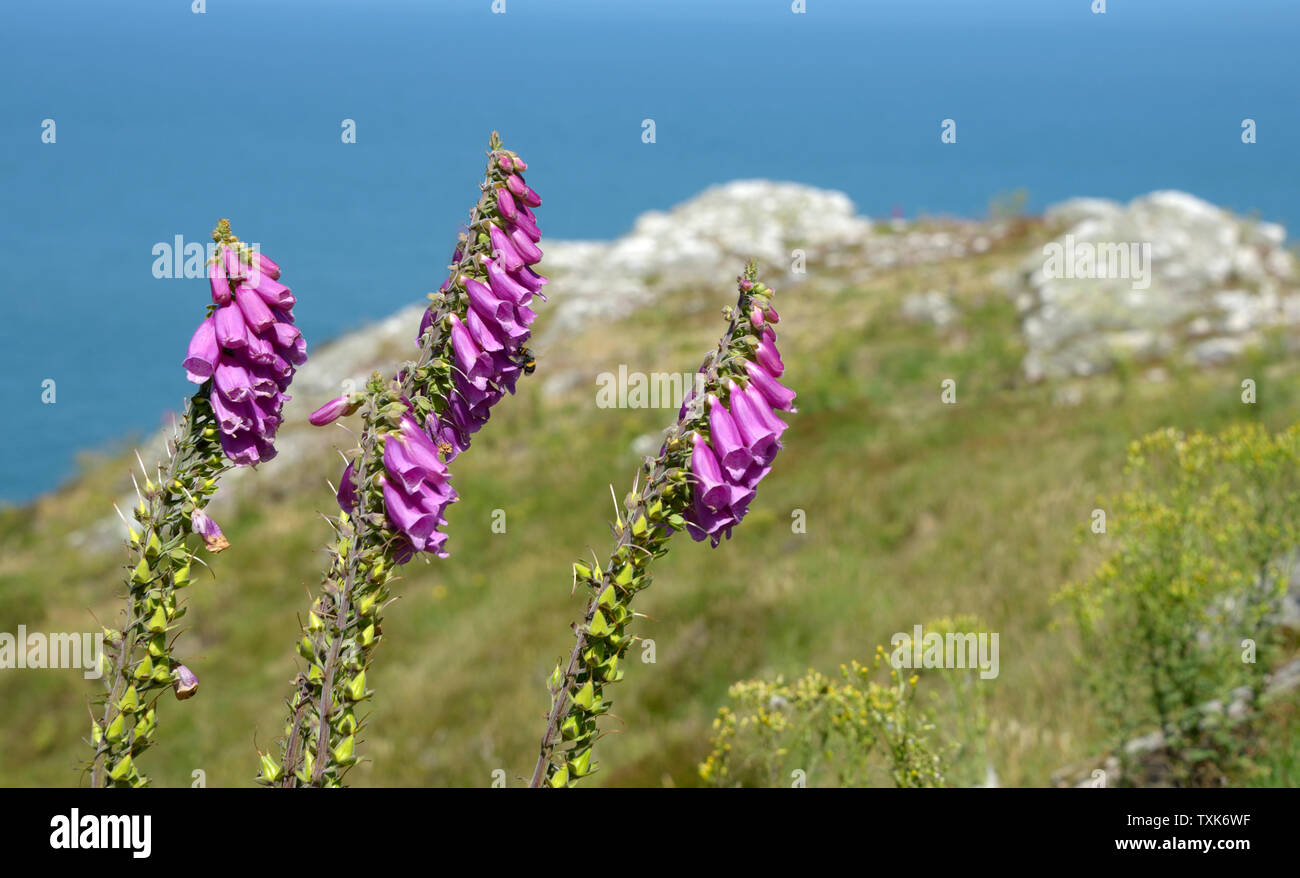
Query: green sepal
[343,753]
[158,621]
[559,778]
[116,729]
[584,696]
[142,573]
[270,768]
[598,627]
[123,768]
[356,689]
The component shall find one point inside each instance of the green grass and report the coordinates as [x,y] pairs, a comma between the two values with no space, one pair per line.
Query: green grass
[915,510]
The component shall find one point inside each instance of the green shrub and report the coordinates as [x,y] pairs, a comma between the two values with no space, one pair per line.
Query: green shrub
[1177,624]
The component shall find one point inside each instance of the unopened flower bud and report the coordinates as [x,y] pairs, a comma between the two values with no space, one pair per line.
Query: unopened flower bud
[335,409]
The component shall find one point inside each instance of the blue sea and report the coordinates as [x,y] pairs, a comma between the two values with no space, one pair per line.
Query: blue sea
[166,119]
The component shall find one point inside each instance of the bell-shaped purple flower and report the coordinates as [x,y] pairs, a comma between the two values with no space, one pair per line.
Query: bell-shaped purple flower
[203,354]
[777,395]
[768,356]
[731,450]
[257,314]
[474,364]
[758,433]
[506,205]
[232,331]
[219,283]
[503,250]
[711,487]
[527,250]
[504,286]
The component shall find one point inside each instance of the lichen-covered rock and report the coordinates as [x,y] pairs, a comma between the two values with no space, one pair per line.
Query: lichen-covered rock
[1168,275]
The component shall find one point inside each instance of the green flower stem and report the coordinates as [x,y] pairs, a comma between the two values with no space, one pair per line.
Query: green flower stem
[345,624]
[647,520]
[139,666]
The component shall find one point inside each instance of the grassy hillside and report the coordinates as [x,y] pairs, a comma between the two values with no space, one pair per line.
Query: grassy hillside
[915,510]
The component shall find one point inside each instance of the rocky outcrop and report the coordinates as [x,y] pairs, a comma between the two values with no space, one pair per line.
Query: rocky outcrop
[1167,275]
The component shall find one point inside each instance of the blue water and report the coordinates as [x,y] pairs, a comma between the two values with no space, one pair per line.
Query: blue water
[167,120]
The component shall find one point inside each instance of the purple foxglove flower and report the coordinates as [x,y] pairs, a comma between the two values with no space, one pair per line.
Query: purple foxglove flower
[506,163]
[524,315]
[731,450]
[232,417]
[527,250]
[499,315]
[262,385]
[232,380]
[203,354]
[401,465]
[755,474]
[772,316]
[270,290]
[185,683]
[331,411]
[417,515]
[232,332]
[244,448]
[762,439]
[521,190]
[506,205]
[474,363]
[219,283]
[526,277]
[488,305]
[777,395]
[267,266]
[427,320]
[423,450]
[476,400]
[209,531]
[768,356]
[482,335]
[504,286]
[347,492]
[256,313]
[450,441]
[290,343]
[258,349]
[760,405]
[507,372]
[503,250]
[756,317]
[705,522]
[711,488]
[236,270]
[528,227]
